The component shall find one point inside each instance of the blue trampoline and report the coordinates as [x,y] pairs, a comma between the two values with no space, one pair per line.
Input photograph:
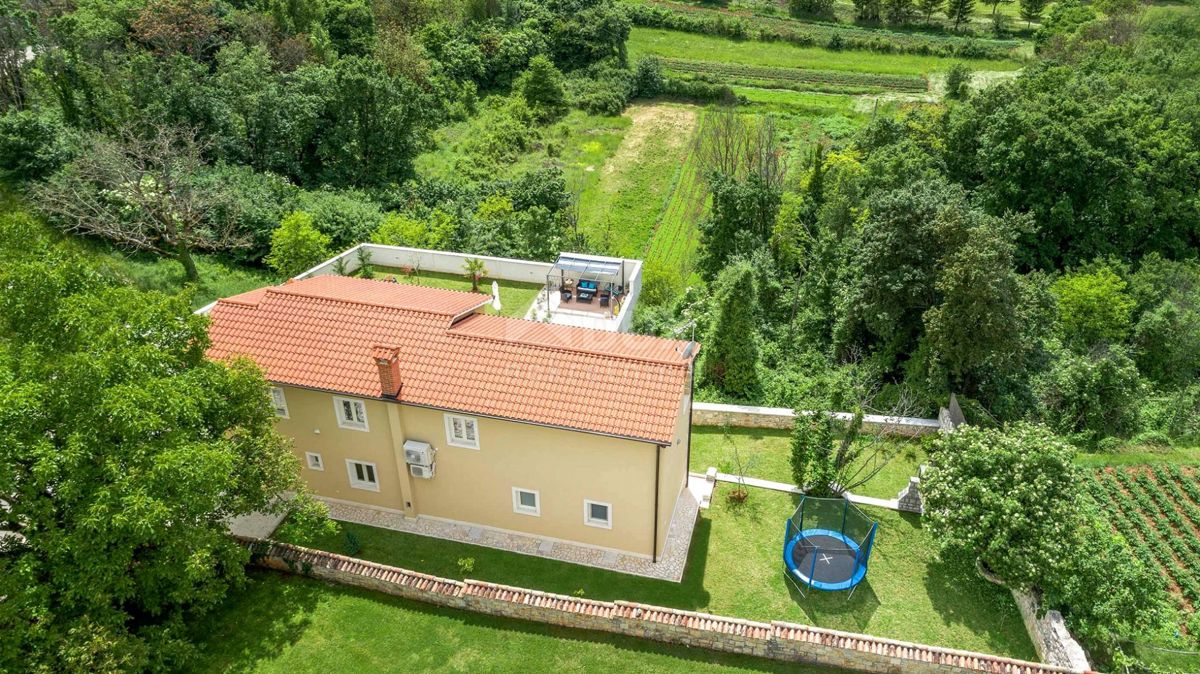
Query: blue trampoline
[827,544]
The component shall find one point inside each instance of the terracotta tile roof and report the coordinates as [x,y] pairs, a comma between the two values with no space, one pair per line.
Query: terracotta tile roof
[324,333]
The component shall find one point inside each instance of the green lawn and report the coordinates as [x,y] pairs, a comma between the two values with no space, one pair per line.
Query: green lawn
[765,453]
[734,568]
[291,624]
[674,44]
[515,296]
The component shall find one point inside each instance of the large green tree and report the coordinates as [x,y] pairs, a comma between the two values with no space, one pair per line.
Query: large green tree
[1003,498]
[123,454]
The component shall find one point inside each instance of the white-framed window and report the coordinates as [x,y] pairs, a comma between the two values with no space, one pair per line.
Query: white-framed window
[363,475]
[597,514]
[462,431]
[527,501]
[314,461]
[351,413]
[279,402]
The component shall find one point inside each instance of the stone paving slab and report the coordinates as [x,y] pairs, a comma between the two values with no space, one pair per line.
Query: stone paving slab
[255,525]
[891,504]
[669,567]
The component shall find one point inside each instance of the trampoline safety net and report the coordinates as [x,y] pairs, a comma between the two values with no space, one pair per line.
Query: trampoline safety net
[827,543]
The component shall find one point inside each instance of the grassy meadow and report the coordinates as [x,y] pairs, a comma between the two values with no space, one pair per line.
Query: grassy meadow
[674,44]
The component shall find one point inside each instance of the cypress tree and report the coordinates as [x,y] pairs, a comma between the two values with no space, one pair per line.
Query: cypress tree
[730,349]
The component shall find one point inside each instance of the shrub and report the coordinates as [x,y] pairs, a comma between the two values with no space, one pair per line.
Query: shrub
[810,7]
[647,77]
[32,146]
[347,216]
[351,546]
[958,82]
[297,245]
[1093,395]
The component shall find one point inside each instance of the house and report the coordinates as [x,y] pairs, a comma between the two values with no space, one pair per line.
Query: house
[411,399]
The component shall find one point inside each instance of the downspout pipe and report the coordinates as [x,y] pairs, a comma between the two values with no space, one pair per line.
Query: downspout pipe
[657,466]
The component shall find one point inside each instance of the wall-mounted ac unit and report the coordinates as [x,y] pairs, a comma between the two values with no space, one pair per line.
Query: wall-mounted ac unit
[418,453]
[423,472]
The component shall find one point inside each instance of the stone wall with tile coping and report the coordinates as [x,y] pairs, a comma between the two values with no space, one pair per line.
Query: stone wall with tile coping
[746,416]
[775,640]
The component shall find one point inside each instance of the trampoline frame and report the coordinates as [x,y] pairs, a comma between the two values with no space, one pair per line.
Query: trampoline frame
[795,533]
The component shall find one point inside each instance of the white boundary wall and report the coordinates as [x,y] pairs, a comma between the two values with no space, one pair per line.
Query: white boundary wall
[498,268]
[745,416]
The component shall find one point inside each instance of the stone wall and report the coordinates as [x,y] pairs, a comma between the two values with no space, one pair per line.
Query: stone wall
[745,416]
[1051,638]
[775,640]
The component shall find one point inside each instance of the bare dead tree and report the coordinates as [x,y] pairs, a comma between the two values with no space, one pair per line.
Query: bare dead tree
[739,145]
[861,455]
[142,192]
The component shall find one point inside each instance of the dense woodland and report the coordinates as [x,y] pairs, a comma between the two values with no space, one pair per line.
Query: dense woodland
[1031,245]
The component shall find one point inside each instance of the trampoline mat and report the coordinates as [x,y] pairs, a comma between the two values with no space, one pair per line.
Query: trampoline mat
[827,558]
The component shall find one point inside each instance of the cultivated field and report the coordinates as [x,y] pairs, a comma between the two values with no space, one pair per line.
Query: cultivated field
[1157,509]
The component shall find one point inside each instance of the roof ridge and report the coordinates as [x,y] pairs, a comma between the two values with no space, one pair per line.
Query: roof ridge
[568,349]
[282,290]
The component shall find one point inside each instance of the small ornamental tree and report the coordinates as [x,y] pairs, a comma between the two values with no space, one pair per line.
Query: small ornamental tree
[297,245]
[730,354]
[813,457]
[475,271]
[1005,499]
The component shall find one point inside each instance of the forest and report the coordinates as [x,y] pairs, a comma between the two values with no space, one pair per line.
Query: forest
[861,207]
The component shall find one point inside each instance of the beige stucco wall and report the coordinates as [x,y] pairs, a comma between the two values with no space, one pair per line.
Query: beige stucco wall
[672,477]
[312,424]
[475,486]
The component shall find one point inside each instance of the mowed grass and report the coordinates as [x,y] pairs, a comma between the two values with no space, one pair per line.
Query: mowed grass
[292,624]
[515,297]
[735,569]
[766,454]
[619,208]
[674,44]
[676,238]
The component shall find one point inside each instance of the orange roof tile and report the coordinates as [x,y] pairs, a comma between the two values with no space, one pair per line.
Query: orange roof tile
[322,333]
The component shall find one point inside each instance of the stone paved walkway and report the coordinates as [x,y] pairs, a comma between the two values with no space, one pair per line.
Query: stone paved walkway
[891,504]
[255,525]
[670,566]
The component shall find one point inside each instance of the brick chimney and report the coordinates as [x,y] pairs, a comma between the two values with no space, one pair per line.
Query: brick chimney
[388,361]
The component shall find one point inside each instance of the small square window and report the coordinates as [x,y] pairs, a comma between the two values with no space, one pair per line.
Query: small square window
[597,514]
[526,501]
[279,402]
[314,461]
[462,431]
[362,475]
[351,413]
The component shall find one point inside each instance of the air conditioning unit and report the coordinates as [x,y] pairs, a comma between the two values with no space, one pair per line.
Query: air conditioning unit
[418,453]
[423,472]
